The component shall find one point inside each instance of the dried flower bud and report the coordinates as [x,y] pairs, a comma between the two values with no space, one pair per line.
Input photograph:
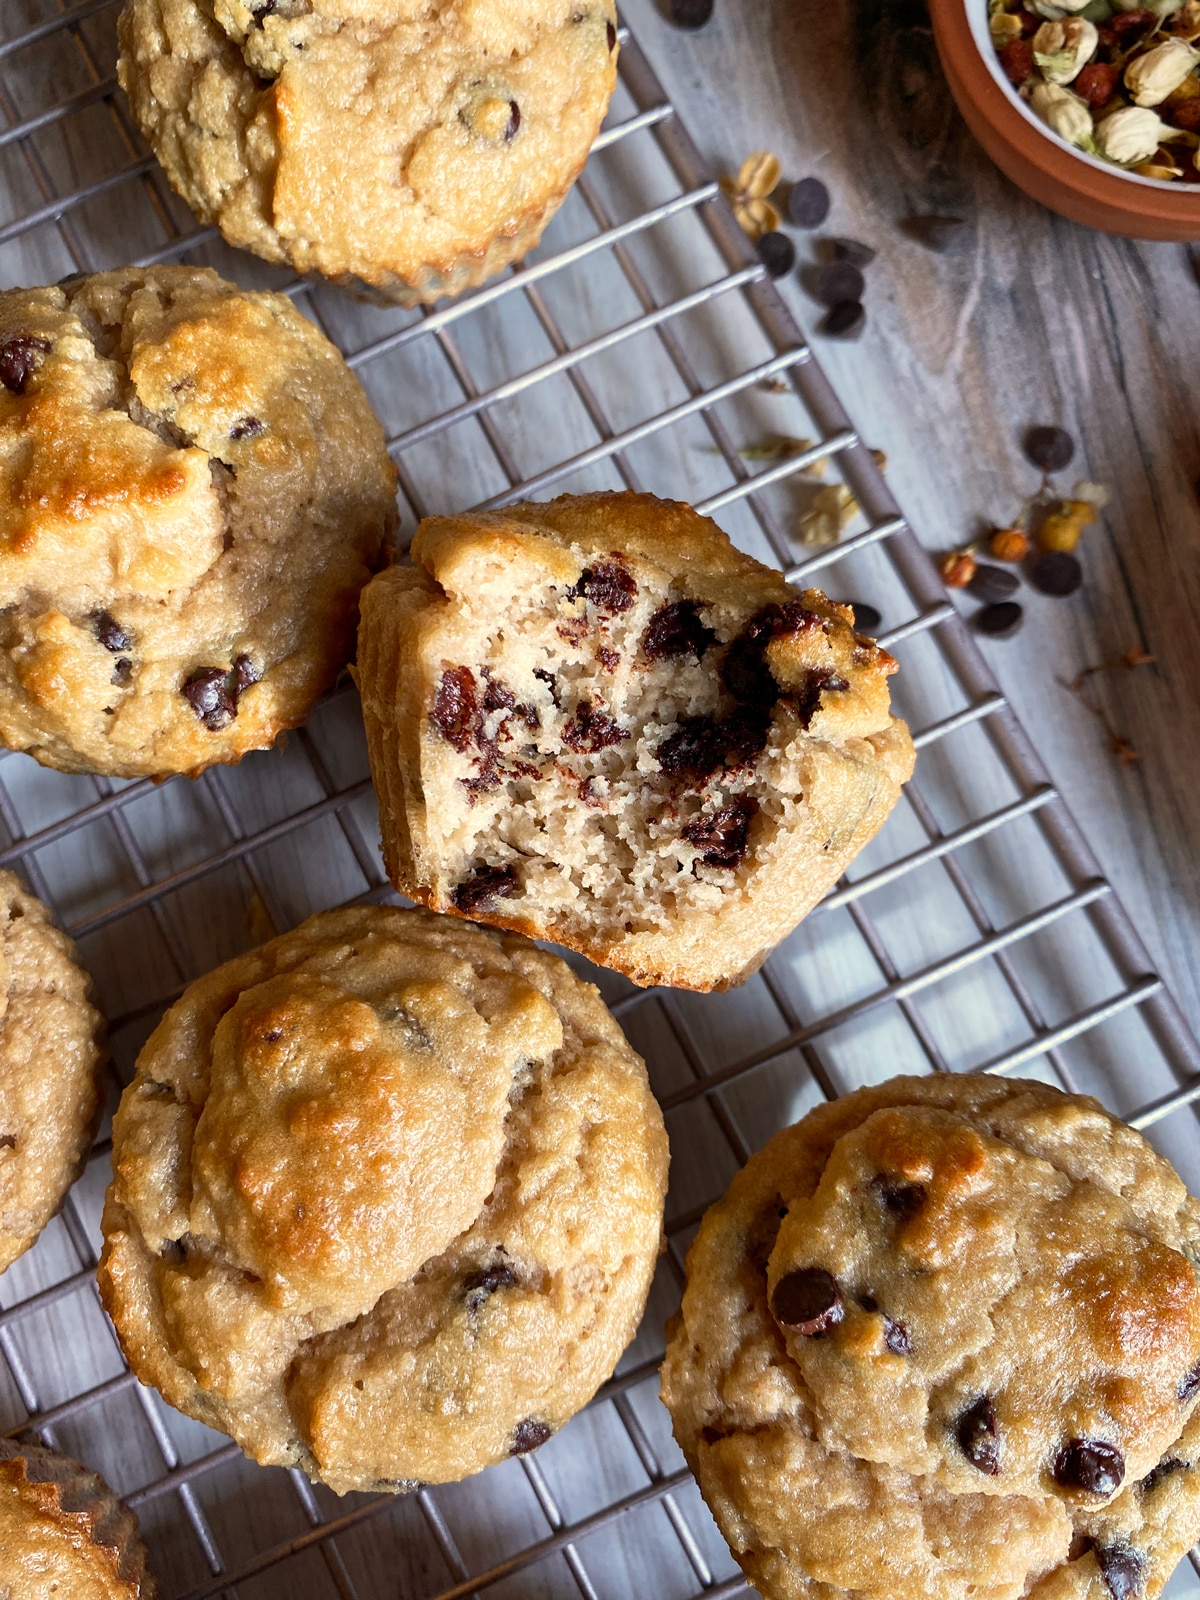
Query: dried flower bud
[1152,77]
[1130,135]
[1063,49]
[1003,27]
[1009,544]
[1096,495]
[1084,511]
[1052,10]
[1059,531]
[1063,111]
[957,569]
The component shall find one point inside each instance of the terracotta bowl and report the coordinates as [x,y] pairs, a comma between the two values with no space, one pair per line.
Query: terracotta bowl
[1067,180]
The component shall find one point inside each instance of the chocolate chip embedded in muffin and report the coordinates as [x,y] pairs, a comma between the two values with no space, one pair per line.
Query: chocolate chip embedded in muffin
[20,356]
[808,1301]
[707,749]
[978,1435]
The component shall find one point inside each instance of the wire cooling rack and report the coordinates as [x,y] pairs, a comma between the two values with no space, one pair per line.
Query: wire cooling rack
[640,346]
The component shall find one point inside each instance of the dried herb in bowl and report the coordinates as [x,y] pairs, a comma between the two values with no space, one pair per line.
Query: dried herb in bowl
[1119,80]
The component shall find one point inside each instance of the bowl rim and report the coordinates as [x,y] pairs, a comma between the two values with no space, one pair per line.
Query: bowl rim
[977,21]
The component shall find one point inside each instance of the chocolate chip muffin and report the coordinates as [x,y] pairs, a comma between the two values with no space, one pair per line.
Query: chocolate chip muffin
[398,146]
[942,1338]
[193,490]
[387,1199]
[50,1057]
[596,721]
[64,1533]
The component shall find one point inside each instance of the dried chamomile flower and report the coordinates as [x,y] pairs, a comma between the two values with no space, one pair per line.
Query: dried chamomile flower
[1063,49]
[1152,77]
[748,193]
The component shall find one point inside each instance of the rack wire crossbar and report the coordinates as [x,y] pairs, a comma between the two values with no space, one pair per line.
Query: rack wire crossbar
[977,932]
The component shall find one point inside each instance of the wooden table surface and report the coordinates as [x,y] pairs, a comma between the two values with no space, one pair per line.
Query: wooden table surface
[1029,319]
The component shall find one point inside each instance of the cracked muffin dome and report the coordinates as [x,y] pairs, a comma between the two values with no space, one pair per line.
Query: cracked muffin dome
[409,147]
[50,1058]
[64,1533]
[387,1199]
[193,491]
[941,1338]
[596,721]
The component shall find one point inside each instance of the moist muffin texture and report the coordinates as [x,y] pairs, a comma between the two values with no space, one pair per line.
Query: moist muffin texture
[387,1199]
[942,1338]
[64,1533]
[49,1061]
[596,721]
[409,147]
[193,491]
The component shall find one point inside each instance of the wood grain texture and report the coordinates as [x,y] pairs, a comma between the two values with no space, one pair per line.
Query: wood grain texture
[1030,319]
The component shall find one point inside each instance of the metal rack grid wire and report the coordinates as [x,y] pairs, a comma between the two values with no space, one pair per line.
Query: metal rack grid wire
[977,932]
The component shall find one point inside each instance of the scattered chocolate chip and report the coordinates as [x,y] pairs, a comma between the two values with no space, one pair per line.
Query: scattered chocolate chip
[1090,1464]
[122,670]
[808,203]
[723,836]
[608,586]
[19,359]
[690,13]
[844,321]
[110,633]
[852,250]
[1056,573]
[1164,1469]
[895,1336]
[900,1198]
[838,281]
[208,693]
[247,428]
[610,660]
[975,1431]
[1051,449]
[807,700]
[528,1435]
[455,712]
[513,126]
[485,885]
[777,253]
[245,672]
[938,234]
[477,1286]
[991,584]
[591,730]
[808,1301]
[611,36]
[676,629]
[999,621]
[1122,1568]
[8,1141]
[866,618]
